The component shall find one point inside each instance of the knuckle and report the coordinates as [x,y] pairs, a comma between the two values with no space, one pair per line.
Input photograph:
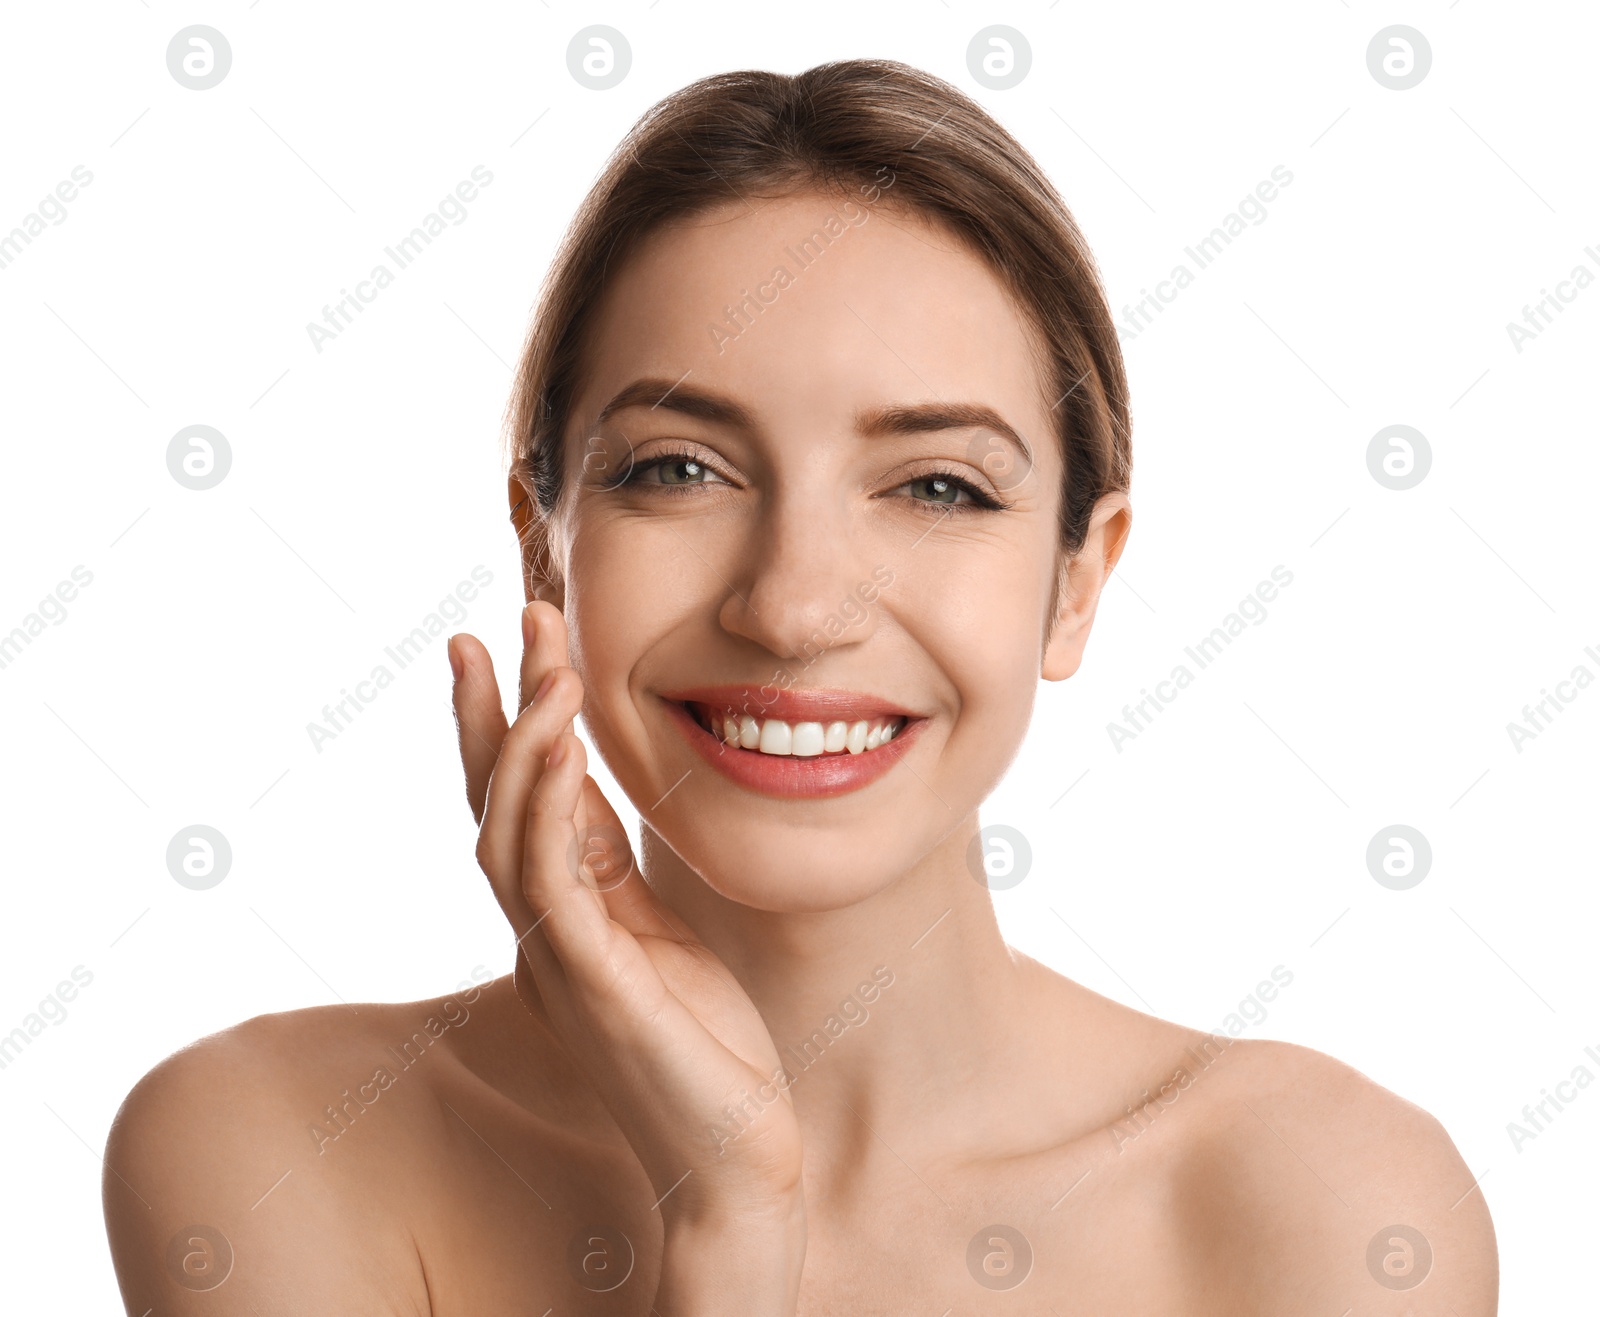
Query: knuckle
[537,716]
[564,685]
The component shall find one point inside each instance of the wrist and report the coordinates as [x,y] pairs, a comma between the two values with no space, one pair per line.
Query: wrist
[776,1215]
[740,1259]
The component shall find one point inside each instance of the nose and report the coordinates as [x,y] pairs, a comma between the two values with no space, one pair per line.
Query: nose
[803,585]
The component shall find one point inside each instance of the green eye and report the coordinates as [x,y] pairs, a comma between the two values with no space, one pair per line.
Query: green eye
[668,471]
[681,472]
[940,489]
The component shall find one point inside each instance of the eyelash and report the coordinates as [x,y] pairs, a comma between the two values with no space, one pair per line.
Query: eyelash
[982,500]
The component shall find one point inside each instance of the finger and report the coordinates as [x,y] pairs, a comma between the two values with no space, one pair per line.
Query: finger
[480,717]
[587,969]
[544,647]
[517,770]
[615,872]
[520,774]
[571,920]
[535,955]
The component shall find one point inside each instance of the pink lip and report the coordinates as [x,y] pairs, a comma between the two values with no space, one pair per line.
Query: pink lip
[789,775]
[792,706]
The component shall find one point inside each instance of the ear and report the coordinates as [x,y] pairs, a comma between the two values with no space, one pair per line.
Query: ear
[540,580]
[1082,578]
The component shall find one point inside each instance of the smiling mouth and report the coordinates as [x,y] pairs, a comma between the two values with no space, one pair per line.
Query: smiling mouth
[797,739]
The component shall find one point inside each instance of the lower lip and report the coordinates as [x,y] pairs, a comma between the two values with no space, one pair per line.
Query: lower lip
[795,775]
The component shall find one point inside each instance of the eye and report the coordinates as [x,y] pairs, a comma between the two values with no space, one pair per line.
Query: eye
[943,490]
[670,470]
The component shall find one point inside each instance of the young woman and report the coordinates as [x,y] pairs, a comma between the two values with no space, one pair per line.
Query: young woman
[820,458]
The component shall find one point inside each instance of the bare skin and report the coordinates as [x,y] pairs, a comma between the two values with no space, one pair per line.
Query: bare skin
[981,1118]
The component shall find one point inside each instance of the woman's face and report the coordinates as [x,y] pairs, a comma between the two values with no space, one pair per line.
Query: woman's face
[821,376]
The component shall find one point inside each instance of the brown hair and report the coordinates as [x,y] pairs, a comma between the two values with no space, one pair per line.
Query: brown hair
[836,125]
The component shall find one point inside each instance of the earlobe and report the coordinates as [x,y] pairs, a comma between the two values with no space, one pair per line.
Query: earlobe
[1081,580]
[1069,625]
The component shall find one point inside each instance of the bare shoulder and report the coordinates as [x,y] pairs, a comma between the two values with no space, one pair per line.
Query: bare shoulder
[1323,1189]
[233,1163]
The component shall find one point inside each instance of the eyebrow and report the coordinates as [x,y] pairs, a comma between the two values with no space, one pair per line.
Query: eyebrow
[902,419]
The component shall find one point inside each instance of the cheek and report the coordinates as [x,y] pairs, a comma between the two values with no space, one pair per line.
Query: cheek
[980,616]
[631,585]
[612,597]
[976,607]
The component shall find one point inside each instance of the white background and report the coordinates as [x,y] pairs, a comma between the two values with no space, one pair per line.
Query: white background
[1227,839]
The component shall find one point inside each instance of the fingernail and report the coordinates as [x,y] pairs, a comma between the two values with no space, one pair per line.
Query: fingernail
[545,684]
[527,625]
[455,659]
[558,753]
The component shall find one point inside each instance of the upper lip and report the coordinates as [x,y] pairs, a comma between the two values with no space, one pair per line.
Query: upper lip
[814,705]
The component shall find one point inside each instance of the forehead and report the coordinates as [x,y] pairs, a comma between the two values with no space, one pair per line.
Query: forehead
[812,307]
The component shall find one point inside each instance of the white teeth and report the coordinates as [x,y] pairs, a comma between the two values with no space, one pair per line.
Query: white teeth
[773,736]
[776,737]
[807,740]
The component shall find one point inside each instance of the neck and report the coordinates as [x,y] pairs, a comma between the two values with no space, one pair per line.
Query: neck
[869,1004]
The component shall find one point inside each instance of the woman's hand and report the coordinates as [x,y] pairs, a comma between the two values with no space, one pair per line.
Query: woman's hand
[650,1016]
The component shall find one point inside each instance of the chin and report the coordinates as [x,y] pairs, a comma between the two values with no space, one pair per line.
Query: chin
[802,856]
[784,874]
